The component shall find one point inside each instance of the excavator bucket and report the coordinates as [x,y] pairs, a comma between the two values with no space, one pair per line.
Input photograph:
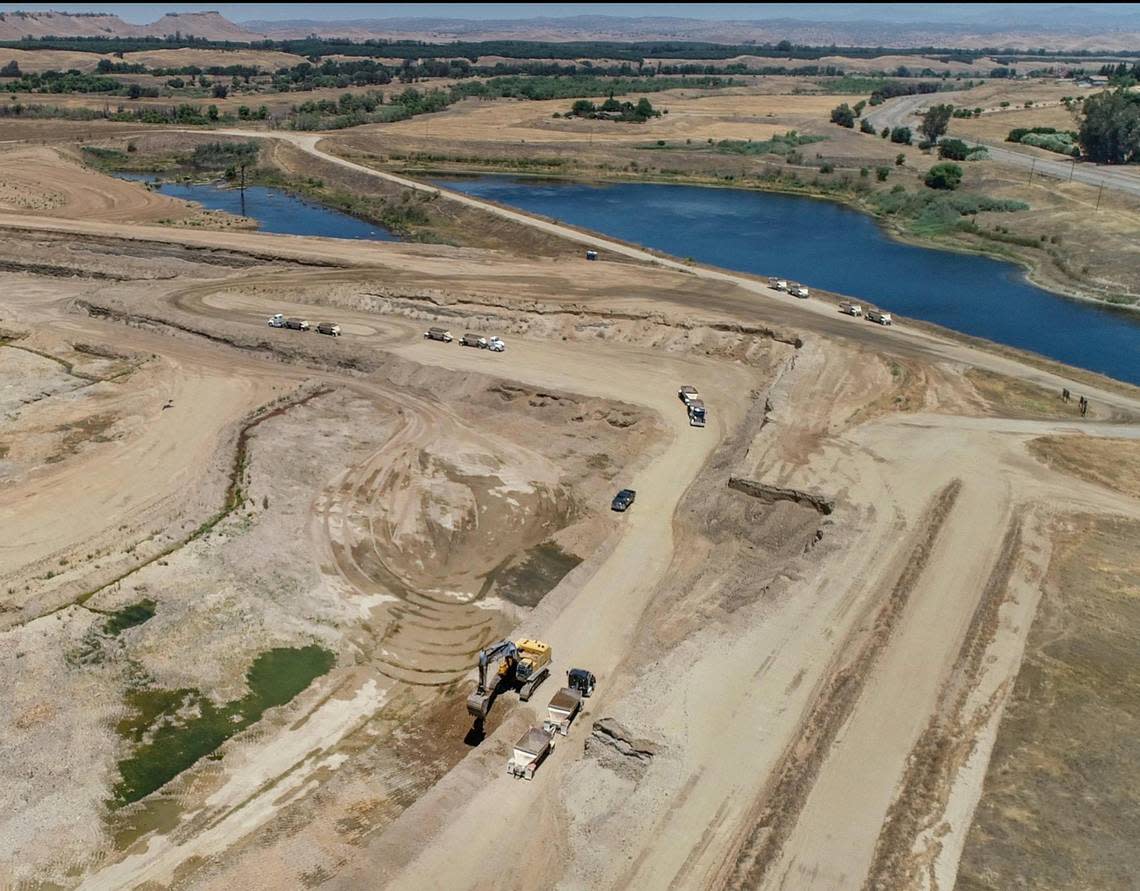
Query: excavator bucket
[479,704]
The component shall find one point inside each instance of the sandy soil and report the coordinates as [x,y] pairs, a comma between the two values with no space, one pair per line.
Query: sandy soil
[866,621]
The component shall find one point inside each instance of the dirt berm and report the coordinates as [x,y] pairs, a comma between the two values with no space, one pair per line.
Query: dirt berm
[771,494]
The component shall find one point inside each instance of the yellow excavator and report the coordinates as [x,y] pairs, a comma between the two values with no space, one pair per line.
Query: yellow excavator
[522,665]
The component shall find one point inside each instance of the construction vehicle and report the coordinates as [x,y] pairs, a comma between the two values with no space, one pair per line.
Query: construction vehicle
[591,255]
[852,309]
[473,340]
[297,324]
[781,285]
[529,752]
[441,334]
[277,320]
[687,394]
[697,413]
[880,318]
[581,680]
[328,328]
[523,665]
[798,290]
[563,708]
[495,344]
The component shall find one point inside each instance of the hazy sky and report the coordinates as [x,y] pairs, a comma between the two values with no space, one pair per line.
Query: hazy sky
[890,12]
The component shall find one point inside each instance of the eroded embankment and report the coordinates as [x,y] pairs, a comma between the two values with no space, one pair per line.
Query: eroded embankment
[779,806]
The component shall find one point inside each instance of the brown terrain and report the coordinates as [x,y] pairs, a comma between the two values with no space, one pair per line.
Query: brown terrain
[869,628]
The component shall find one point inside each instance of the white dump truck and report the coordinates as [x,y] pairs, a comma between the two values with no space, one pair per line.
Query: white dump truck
[495,344]
[879,318]
[329,328]
[781,285]
[297,324]
[440,334]
[473,340]
[798,290]
[277,320]
[561,711]
[687,394]
[851,309]
[529,752]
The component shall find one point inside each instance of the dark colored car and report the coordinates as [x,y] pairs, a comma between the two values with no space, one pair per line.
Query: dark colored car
[623,499]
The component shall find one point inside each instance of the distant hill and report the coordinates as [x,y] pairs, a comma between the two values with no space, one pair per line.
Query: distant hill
[1067,28]
[210,25]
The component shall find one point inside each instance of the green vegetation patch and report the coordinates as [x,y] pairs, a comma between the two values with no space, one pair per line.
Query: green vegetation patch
[933,213]
[172,729]
[777,145]
[129,616]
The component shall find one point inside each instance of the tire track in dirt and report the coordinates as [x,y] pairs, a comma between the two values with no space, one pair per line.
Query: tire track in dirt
[776,812]
[946,743]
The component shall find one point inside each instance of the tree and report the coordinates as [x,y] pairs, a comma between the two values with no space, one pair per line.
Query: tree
[859,106]
[935,122]
[134,91]
[901,135]
[212,112]
[12,69]
[881,173]
[221,91]
[953,150]
[944,176]
[843,116]
[644,109]
[784,46]
[900,159]
[582,107]
[866,126]
[1110,128]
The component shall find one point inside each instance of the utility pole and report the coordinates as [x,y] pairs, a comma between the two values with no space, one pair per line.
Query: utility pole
[1031,169]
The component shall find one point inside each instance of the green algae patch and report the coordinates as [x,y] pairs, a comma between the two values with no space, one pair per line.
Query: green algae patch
[173,729]
[128,617]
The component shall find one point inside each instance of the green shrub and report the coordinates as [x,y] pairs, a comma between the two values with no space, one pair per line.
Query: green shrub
[881,173]
[953,150]
[944,176]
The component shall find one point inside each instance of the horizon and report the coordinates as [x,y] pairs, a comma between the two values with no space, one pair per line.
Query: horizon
[891,13]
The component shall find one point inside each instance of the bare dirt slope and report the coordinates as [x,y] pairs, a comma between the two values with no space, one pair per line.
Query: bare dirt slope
[821,650]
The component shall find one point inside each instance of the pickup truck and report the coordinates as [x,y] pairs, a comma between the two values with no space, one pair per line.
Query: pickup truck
[880,318]
[622,500]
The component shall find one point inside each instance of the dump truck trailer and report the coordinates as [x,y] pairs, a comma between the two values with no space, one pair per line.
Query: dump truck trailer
[529,752]
[297,324]
[561,711]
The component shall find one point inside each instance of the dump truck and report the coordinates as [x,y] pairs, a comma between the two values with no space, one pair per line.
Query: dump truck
[328,328]
[276,320]
[495,344]
[561,711]
[852,309]
[473,340]
[297,324]
[529,752]
[591,255]
[781,285]
[798,290]
[687,394]
[441,334]
[522,665]
[880,318]
[697,413]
